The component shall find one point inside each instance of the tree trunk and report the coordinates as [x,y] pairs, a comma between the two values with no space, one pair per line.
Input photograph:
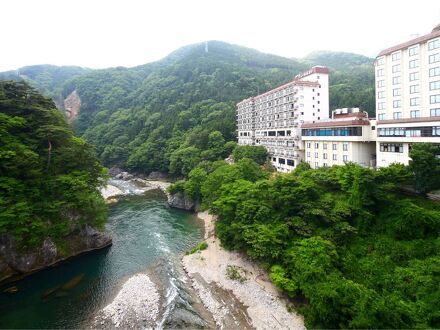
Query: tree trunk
[49,150]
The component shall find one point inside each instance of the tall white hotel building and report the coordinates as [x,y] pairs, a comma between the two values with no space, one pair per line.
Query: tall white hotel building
[407,97]
[274,119]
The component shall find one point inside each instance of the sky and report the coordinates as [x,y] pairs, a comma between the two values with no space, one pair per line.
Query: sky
[106,33]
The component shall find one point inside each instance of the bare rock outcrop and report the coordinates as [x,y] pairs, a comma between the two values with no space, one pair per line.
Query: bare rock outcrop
[15,261]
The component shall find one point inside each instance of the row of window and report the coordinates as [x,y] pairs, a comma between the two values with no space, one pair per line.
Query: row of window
[391,147]
[433,72]
[410,131]
[413,113]
[434,44]
[340,131]
[433,85]
[324,146]
[283,161]
[325,156]
[414,101]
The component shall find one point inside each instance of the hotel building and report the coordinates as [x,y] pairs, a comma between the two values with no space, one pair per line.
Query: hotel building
[407,97]
[274,119]
[348,137]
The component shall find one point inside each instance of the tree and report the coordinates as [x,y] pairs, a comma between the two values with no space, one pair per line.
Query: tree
[257,153]
[426,167]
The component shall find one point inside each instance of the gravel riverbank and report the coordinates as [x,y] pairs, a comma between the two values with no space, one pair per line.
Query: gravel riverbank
[208,270]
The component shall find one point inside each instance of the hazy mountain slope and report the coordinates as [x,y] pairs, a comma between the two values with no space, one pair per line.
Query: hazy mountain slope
[48,79]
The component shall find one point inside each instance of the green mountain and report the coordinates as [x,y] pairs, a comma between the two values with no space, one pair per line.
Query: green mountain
[47,79]
[155,116]
[351,78]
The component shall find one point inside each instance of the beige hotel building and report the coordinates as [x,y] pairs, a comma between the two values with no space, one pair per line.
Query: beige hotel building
[273,119]
[407,97]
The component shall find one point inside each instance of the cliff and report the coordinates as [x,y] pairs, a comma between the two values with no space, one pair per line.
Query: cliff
[15,262]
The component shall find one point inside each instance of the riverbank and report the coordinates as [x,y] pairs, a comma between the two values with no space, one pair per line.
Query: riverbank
[214,267]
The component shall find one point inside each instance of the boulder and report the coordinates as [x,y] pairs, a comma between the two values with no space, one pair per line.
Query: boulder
[155,175]
[180,201]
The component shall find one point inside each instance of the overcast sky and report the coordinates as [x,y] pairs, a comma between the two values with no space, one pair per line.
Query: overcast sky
[104,33]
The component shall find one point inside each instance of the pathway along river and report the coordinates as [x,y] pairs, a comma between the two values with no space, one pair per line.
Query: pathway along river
[148,237]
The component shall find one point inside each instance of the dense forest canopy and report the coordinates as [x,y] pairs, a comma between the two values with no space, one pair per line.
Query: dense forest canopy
[148,117]
[343,243]
[49,178]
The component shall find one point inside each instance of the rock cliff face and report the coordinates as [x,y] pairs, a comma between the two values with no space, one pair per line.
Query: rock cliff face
[72,103]
[14,262]
[180,201]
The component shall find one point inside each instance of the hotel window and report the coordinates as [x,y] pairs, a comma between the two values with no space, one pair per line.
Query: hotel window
[308,153]
[380,83]
[380,61]
[316,145]
[413,132]
[396,68]
[316,164]
[413,50]
[413,64]
[345,147]
[397,115]
[381,116]
[434,44]
[345,158]
[335,146]
[335,157]
[433,85]
[414,101]
[415,113]
[434,72]
[395,56]
[434,58]
[397,104]
[324,146]
[381,106]
[413,76]
[436,131]
[434,99]
[396,92]
[324,155]
[316,155]
[380,95]
[380,73]
[309,145]
[414,89]
[435,112]
[396,80]
[391,147]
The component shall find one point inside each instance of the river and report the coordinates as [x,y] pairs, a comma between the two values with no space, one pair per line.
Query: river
[148,237]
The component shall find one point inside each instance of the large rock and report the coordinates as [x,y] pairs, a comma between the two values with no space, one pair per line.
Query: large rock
[180,201]
[16,262]
[157,175]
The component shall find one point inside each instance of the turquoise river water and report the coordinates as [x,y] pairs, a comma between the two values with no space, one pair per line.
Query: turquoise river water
[148,236]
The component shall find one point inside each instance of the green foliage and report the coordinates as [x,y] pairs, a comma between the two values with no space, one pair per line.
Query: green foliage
[202,246]
[341,242]
[235,273]
[49,178]
[425,166]
[257,153]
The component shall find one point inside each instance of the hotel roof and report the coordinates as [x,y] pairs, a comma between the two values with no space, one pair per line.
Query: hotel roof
[434,33]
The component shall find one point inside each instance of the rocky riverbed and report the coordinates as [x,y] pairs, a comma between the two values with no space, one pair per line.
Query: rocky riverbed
[210,271]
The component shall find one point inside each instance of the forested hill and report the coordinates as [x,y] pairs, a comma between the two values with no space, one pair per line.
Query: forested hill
[149,117]
[351,78]
[48,79]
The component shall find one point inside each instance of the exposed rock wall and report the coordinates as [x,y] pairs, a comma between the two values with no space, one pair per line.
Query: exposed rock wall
[14,262]
[72,104]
